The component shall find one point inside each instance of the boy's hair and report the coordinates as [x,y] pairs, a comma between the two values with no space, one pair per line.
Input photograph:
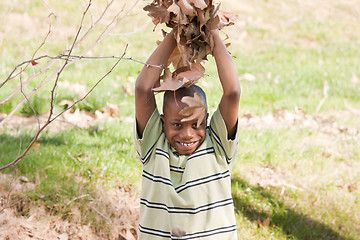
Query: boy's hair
[178,94]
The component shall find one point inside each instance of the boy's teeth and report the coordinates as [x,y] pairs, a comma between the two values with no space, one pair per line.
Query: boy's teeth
[186,144]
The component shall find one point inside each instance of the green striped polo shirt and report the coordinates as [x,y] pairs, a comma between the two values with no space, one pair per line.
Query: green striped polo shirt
[186,196]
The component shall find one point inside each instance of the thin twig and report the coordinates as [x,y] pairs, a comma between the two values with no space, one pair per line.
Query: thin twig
[97,83]
[29,95]
[32,108]
[52,100]
[69,59]
[50,120]
[4,16]
[325,93]
[26,62]
[66,62]
[59,20]
[76,198]
[133,32]
[98,212]
[95,23]
[59,57]
[55,59]
[9,192]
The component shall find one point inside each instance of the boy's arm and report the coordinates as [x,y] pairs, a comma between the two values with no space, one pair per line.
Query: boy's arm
[145,103]
[229,104]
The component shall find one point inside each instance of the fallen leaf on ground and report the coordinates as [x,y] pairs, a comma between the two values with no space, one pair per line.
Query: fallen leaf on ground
[352,187]
[66,103]
[264,223]
[248,77]
[355,79]
[128,89]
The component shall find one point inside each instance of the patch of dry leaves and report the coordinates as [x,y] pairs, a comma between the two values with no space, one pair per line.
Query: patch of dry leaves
[119,207]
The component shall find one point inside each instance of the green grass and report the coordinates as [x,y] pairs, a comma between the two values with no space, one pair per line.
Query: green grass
[291,49]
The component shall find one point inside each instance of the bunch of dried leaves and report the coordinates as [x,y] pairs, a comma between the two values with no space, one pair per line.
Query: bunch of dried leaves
[192,21]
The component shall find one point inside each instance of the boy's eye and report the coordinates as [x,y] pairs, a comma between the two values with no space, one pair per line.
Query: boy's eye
[176,124]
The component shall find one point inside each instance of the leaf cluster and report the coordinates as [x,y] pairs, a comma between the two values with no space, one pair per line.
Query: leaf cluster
[192,21]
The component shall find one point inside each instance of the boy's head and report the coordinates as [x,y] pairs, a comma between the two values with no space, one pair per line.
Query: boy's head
[184,136]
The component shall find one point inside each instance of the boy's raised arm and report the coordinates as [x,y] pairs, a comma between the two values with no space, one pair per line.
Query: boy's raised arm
[229,104]
[145,103]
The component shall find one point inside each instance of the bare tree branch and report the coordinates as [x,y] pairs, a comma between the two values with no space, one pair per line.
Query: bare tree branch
[69,58]
[50,119]
[62,55]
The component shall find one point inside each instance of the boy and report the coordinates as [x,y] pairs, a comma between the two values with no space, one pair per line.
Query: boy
[186,185]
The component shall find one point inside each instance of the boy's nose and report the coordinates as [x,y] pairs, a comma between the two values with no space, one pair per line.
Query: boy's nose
[188,133]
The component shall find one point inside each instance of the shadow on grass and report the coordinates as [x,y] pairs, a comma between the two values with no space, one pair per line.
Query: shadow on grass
[293,223]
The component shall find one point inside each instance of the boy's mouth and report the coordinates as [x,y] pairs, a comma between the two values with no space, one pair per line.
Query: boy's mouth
[186,146]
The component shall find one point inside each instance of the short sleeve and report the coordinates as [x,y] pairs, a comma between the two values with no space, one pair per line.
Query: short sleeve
[145,145]
[218,132]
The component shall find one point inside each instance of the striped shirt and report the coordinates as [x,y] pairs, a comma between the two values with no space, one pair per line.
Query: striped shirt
[186,196]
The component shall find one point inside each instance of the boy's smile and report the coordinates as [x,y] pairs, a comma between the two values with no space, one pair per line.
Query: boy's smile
[185,136]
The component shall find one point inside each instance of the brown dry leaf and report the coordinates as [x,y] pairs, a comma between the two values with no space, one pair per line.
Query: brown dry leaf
[33,62]
[226,19]
[158,13]
[195,109]
[198,3]
[247,77]
[127,89]
[352,187]
[169,83]
[193,75]
[110,109]
[176,59]
[186,8]
[174,8]
[126,234]
[264,223]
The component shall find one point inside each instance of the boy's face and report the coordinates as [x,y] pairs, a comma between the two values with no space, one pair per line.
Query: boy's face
[185,136]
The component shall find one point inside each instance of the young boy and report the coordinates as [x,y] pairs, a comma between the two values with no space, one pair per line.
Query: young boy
[186,185]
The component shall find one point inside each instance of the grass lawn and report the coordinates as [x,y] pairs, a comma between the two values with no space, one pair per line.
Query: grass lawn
[297,172]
